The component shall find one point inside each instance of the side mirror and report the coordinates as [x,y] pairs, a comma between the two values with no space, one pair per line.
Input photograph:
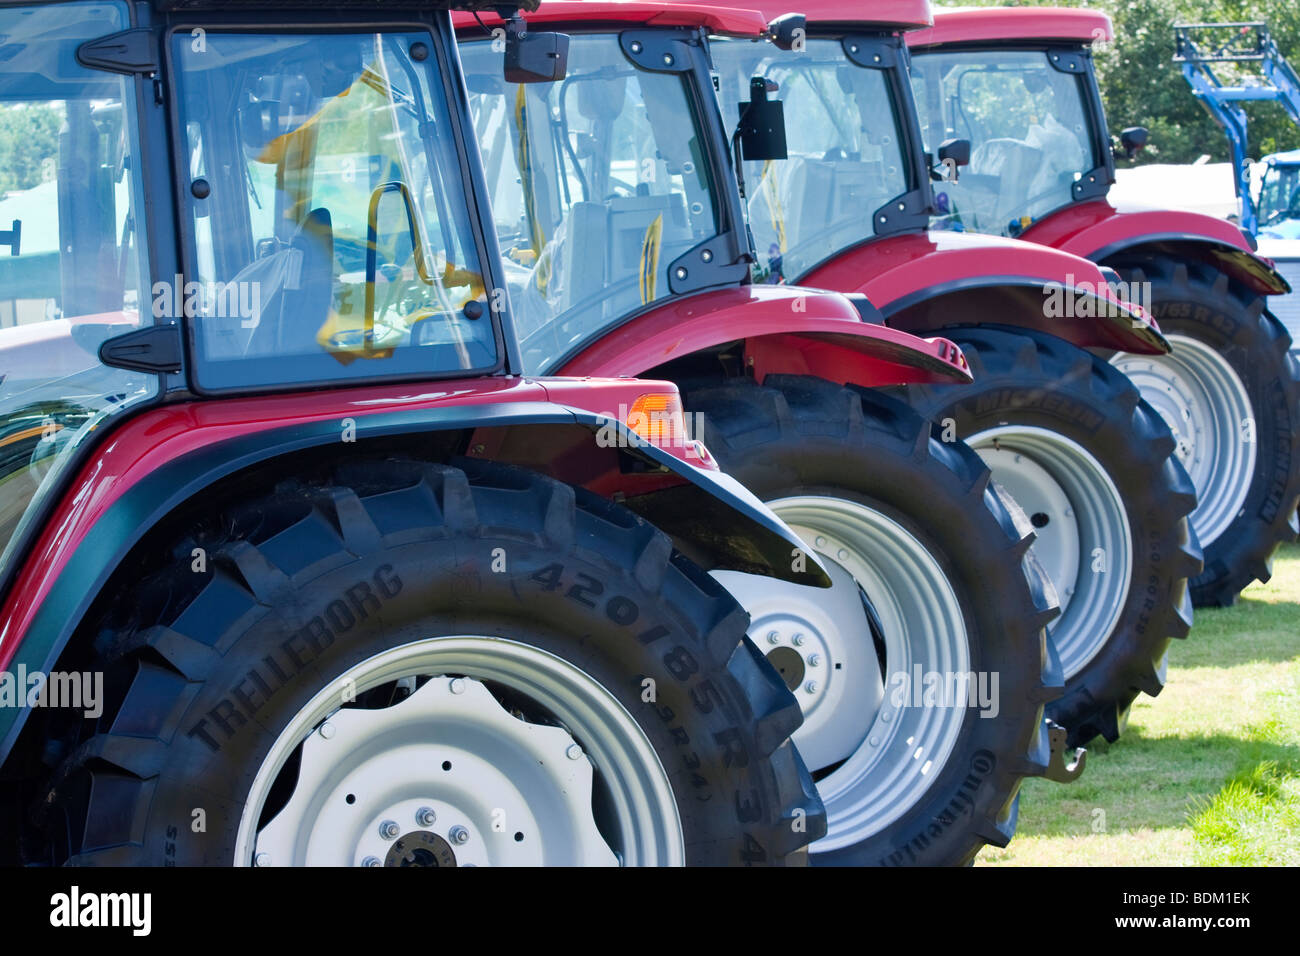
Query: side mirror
[955,151]
[533,57]
[788,31]
[1133,140]
[761,131]
[952,154]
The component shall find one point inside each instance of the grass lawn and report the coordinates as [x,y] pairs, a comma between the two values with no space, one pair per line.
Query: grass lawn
[1208,773]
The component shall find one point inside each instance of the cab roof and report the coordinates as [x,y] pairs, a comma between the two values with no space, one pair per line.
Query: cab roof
[716,18]
[985,24]
[904,14]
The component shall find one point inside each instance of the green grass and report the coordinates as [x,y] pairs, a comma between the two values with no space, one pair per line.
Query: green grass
[1208,773]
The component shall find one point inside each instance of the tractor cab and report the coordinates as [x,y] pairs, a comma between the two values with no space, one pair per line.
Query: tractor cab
[1032,114]
[73,249]
[854,167]
[314,227]
[607,197]
[1278,206]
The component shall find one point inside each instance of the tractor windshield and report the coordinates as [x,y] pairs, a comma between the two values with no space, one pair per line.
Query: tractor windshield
[329,234]
[845,144]
[1028,127]
[1279,201]
[598,183]
[71,255]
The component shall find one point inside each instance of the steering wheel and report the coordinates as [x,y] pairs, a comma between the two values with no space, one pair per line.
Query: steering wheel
[618,184]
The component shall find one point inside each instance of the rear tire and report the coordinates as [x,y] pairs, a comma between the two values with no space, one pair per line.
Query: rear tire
[1083,427]
[1225,343]
[206,673]
[830,459]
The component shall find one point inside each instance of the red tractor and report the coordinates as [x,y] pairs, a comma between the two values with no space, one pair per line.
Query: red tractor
[1017,87]
[626,243]
[1064,432]
[298,567]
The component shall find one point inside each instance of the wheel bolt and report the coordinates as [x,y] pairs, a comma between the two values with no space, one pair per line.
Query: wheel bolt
[389,830]
[262,859]
[814,660]
[371,861]
[458,685]
[425,816]
[458,834]
[811,687]
[798,640]
[573,752]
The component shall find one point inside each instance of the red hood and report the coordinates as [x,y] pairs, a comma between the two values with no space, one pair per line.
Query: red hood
[890,269]
[899,272]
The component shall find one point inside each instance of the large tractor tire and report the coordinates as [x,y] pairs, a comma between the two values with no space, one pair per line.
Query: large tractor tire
[413,664]
[1230,391]
[932,581]
[1070,439]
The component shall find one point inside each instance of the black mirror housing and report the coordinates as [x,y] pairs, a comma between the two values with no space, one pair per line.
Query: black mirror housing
[1133,140]
[536,57]
[788,30]
[761,131]
[956,151]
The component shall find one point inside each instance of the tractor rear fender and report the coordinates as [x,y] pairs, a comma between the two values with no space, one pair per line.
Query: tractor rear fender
[160,463]
[925,282]
[1107,234]
[783,330]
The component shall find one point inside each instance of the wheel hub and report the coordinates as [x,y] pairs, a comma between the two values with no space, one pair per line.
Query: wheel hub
[1082,534]
[501,754]
[872,752]
[1206,406]
[421,848]
[450,747]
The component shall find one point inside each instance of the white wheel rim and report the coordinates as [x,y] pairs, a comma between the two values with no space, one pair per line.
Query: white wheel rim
[1083,538]
[875,746]
[503,790]
[1208,409]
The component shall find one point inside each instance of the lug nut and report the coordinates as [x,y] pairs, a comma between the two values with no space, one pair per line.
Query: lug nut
[425,816]
[262,859]
[371,861]
[389,830]
[814,660]
[327,730]
[798,640]
[573,752]
[458,834]
[773,637]
[811,687]
[458,685]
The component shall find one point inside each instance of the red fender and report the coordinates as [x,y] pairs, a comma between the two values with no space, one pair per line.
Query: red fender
[149,440]
[786,330]
[1099,230]
[913,278]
